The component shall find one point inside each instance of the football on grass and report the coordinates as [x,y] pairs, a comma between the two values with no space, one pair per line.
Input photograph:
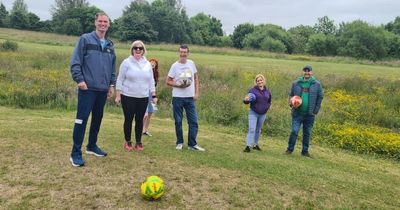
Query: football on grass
[152,188]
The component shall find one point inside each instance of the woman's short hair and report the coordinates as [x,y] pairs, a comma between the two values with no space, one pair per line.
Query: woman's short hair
[138,42]
[258,76]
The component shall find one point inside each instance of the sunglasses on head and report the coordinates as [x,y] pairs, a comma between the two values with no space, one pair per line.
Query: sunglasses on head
[138,48]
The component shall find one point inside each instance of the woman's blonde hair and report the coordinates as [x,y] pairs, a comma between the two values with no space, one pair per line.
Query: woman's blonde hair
[136,43]
[257,76]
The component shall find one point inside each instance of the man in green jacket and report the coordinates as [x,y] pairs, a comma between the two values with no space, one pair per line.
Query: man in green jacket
[311,93]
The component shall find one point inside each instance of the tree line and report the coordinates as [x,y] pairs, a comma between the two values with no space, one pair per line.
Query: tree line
[167,21]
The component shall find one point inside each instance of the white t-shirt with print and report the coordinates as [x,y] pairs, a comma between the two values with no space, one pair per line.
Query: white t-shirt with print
[176,70]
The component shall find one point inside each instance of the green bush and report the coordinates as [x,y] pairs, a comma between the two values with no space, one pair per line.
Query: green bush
[273,45]
[9,46]
[321,45]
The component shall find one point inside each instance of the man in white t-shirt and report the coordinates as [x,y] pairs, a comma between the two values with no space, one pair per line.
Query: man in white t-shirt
[183,79]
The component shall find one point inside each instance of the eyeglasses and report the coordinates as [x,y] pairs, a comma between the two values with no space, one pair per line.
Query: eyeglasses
[138,48]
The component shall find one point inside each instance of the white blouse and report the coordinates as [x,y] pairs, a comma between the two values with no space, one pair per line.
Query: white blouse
[135,78]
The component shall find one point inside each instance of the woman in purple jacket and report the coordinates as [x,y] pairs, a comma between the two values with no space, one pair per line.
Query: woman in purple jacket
[259,98]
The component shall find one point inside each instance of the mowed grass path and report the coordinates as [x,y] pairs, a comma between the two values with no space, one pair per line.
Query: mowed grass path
[35,171]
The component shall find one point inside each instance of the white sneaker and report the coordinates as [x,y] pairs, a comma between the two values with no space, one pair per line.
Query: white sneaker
[179,146]
[197,148]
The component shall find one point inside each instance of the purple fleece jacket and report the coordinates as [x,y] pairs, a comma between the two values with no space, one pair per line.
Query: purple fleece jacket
[263,100]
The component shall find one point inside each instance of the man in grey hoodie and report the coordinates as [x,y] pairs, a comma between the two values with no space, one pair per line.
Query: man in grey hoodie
[311,93]
[93,69]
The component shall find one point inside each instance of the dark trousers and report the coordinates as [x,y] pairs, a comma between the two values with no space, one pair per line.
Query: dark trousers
[133,108]
[88,102]
[297,120]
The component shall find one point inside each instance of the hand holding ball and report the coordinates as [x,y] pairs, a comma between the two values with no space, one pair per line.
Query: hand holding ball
[250,97]
[295,101]
[184,79]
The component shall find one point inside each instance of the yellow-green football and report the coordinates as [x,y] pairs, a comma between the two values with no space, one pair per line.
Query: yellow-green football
[152,188]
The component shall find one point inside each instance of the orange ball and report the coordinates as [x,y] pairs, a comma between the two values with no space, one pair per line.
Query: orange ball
[295,101]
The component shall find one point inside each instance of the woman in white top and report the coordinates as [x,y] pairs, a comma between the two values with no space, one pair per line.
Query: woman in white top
[135,81]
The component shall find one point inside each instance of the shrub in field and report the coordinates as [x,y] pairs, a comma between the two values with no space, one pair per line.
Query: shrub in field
[368,102]
[360,138]
[273,45]
[9,46]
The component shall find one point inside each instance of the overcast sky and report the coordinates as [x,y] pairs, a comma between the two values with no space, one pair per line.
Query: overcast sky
[285,13]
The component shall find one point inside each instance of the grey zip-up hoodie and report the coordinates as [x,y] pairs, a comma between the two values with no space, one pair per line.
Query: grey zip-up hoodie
[93,64]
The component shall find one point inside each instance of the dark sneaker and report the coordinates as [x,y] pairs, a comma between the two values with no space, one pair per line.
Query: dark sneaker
[247,149]
[306,154]
[288,152]
[77,161]
[139,147]
[256,147]
[128,146]
[96,151]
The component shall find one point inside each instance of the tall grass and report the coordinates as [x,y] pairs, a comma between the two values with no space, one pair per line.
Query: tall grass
[35,79]
[266,54]
[65,40]
[365,97]
[36,37]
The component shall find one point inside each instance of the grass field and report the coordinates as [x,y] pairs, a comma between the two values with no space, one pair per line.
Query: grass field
[359,113]
[36,173]
[364,97]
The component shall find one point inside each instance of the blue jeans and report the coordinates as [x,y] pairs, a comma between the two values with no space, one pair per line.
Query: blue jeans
[190,108]
[150,108]
[255,124]
[88,101]
[297,120]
